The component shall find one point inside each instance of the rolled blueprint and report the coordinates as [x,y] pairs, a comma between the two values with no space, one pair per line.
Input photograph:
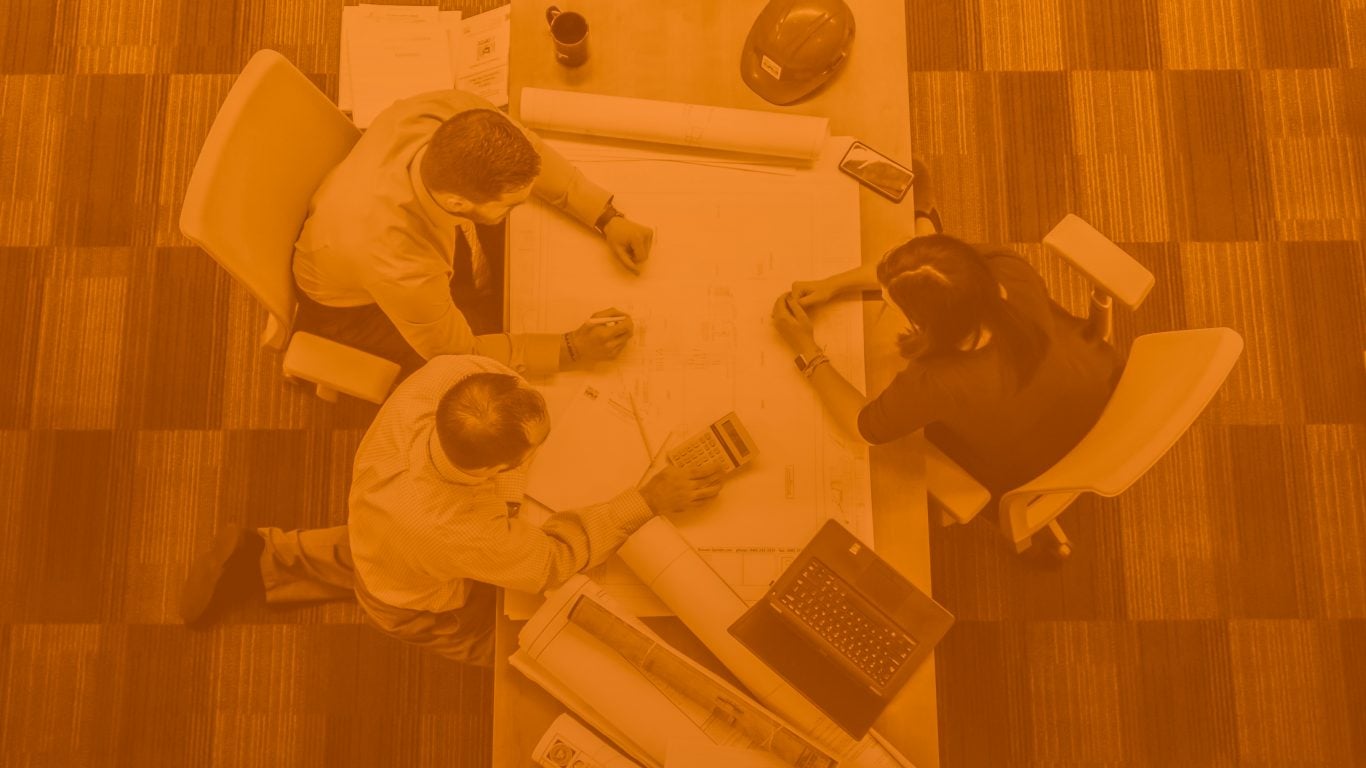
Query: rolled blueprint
[706,604]
[612,671]
[746,131]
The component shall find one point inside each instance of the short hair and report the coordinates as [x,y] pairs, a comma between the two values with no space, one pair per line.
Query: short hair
[480,155]
[482,421]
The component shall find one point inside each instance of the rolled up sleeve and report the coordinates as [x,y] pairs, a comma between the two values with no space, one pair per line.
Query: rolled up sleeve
[420,307]
[566,187]
[508,552]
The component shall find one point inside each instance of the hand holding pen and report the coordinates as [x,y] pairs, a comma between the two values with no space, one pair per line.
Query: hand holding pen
[601,337]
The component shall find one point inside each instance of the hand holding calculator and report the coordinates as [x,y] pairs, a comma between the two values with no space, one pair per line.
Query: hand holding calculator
[725,444]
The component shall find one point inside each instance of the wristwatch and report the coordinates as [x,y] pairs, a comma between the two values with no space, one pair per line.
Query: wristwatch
[608,213]
[808,364]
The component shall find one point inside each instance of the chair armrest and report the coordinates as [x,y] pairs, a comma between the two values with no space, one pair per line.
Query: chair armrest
[338,367]
[1104,263]
[950,486]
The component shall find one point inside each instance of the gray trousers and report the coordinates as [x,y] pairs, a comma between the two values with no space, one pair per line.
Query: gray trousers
[316,564]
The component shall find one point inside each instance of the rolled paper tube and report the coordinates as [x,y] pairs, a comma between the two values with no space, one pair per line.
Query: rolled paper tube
[745,131]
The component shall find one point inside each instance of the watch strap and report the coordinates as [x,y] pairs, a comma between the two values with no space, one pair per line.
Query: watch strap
[609,212]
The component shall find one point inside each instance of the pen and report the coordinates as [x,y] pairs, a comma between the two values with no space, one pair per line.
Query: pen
[612,320]
[640,424]
[654,460]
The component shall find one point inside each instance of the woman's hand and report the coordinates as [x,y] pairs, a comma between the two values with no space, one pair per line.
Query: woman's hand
[812,293]
[794,326]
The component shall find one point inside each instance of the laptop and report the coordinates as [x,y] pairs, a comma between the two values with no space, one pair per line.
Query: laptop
[843,627]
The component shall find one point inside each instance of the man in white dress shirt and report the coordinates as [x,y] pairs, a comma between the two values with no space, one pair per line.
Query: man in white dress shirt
[402,251]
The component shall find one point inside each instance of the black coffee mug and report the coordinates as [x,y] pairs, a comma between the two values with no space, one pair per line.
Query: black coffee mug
[569,30]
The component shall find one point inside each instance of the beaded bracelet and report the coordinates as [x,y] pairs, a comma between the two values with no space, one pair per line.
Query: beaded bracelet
[569,345]
[815,363]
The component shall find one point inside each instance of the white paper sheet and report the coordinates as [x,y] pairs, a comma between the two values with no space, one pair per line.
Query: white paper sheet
[482,55]
[595,451]
[700,754]
[567,743]
[745,131]
[394,52]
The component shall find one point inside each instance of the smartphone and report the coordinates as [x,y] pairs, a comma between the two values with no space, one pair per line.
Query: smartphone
[877,172]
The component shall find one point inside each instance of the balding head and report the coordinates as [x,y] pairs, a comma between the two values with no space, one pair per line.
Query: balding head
[490,420]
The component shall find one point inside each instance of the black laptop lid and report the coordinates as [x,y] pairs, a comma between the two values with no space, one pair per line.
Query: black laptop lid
[807,664]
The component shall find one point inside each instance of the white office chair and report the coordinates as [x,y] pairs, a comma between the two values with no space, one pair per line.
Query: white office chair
[1167,381]
[274,140]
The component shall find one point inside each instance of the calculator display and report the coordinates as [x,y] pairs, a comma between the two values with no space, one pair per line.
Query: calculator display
[735,438]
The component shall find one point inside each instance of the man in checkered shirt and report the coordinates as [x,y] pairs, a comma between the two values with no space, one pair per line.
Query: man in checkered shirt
[433,524]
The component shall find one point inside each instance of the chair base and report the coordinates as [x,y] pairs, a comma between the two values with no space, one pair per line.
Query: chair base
[1056,544]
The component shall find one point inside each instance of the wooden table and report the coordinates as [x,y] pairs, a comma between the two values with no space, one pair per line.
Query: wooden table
[690,52]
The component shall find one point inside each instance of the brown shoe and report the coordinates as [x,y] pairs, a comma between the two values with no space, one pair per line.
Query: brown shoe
[234,554]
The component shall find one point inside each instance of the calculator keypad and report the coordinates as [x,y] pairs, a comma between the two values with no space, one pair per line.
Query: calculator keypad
[701,452]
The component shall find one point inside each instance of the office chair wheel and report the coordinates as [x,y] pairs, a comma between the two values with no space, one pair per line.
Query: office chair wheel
[1058,545]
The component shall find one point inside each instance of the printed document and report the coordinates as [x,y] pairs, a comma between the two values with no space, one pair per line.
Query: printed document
[481,56]
[394,52]
[391,52]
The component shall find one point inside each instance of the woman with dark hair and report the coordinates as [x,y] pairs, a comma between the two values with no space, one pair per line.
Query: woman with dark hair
[1002,379]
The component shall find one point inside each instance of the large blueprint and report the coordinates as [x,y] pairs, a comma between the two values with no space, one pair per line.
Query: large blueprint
[731,235]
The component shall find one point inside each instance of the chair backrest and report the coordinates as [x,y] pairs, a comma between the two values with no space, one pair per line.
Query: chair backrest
[1167,381]
[274,140]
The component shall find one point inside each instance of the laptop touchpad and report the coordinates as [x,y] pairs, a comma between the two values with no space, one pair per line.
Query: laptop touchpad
[882,585]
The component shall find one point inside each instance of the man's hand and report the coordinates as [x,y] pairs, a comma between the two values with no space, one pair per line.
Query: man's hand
[811,293]
[630,242]
[794,325]
[603,335]
[673,489]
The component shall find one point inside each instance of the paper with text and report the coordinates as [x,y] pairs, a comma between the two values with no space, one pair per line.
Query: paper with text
[482,55]
[393,52]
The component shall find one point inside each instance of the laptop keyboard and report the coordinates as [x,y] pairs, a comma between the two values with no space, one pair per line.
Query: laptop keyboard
[824,602]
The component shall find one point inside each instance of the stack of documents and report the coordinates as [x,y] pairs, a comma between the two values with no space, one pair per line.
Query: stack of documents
[391,52]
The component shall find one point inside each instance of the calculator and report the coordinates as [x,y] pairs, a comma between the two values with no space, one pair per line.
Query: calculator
[725,443]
